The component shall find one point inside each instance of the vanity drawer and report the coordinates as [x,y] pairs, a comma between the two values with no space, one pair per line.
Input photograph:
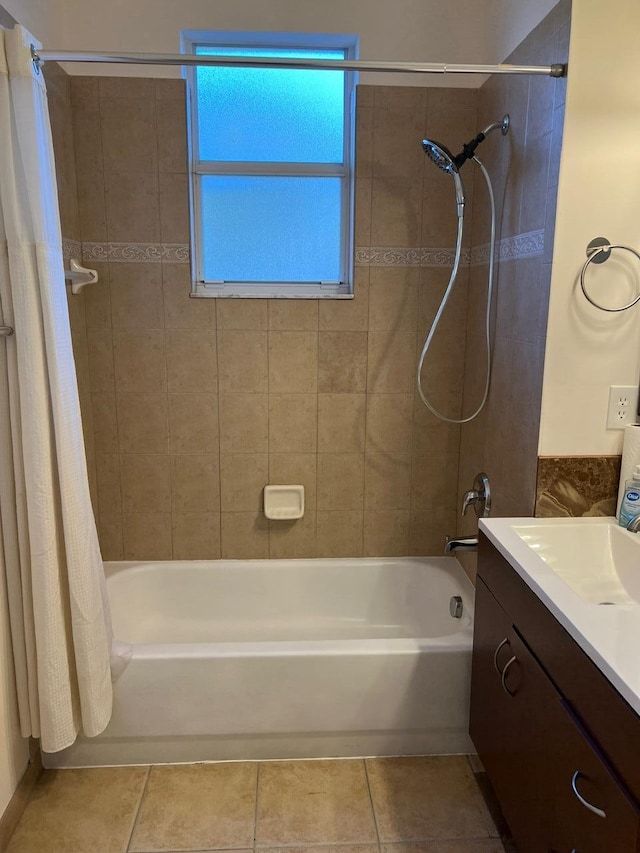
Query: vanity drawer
[593,813]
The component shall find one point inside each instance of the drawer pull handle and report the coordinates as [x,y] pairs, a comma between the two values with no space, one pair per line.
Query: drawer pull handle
[501,645]
[504,676]
[585,803]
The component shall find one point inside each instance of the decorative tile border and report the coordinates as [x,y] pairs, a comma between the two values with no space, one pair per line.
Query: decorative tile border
[575,486]
[175,253]
[526,245]
[398,256]
[71,249]
[511,248]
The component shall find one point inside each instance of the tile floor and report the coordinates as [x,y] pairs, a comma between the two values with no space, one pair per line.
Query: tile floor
[392,805]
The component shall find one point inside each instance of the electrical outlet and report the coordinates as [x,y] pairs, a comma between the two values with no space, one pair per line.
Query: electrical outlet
[623,406]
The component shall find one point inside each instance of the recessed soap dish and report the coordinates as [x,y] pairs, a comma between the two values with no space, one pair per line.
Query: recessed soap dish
[284,503]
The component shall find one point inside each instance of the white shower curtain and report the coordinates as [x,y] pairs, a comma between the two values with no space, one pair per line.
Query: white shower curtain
[60,622]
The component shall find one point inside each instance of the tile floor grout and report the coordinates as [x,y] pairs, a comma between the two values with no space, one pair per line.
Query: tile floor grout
[331,844]
[312,845]
[137,812]
[373,808]
[255,810]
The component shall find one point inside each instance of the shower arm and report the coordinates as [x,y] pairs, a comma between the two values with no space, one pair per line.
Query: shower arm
[469,148]
[502,125]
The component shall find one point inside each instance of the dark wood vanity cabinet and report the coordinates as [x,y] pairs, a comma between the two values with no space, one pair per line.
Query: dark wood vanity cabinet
[511,696]
[575,826]
[560,746]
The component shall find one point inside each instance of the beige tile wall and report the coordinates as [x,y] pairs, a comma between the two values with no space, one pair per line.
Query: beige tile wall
[503,441]
[191,406]
[196,404]
[60,111]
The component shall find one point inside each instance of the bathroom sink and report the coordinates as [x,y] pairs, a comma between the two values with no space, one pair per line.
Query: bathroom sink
[598,561]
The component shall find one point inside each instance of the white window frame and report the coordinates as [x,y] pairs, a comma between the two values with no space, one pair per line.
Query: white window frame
[342,289]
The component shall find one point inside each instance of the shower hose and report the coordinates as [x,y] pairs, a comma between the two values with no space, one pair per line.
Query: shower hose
[445,300]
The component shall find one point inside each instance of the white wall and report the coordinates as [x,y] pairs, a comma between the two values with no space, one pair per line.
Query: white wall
[473,31]
[14,750]
[426,30]
[40,17]
[599,195]
[512,21]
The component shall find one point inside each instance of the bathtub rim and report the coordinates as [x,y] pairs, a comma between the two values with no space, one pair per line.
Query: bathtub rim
[442,561]
[455,641]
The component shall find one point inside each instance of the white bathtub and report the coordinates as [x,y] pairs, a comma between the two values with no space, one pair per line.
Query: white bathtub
[286,659]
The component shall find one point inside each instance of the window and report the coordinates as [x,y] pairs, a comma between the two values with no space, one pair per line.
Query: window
[271,179]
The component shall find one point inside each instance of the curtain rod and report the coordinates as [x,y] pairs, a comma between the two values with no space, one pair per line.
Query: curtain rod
[40,56]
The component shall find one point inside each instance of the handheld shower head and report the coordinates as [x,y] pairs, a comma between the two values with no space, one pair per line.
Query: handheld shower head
[447,162]
[443,158]
[440,155]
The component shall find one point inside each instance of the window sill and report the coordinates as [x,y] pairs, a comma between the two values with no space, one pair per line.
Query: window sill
[268,290]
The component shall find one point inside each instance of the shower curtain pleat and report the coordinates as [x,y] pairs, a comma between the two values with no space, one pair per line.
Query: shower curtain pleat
[60,621]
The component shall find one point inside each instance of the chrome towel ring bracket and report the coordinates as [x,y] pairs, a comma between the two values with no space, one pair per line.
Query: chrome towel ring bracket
[598,251]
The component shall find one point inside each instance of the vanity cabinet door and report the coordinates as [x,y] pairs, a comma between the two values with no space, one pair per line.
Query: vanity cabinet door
[593,813]
[516,721]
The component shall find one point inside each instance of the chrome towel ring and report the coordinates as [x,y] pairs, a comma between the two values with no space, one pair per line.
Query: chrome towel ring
[599,251]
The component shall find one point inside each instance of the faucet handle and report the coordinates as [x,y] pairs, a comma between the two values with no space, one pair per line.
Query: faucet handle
[471,497]
[479,496]
[634,524]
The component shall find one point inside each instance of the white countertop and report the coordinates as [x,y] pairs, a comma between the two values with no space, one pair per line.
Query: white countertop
[609,635]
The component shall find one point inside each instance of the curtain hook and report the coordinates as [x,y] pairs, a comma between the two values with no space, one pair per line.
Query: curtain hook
[35,58]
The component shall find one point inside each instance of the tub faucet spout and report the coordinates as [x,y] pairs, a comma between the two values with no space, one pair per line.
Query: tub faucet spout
[464,543]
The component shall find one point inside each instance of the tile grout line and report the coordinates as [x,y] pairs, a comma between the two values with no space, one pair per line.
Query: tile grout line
[366,423]
[137,814]
[406,843]
[216,332]
[373,808]
[369,180]
[268,338]
[103,170]
[316,552]
[166,332]
[305,846]
[326,845]
[166,335]
[415,400]
[255,810]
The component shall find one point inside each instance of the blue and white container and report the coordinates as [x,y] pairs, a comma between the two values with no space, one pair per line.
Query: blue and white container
[630,506]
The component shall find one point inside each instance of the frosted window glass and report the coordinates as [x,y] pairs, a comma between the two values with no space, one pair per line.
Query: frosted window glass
[270,115]
[271,228]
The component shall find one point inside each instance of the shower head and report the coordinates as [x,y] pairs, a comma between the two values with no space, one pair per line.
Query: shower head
[440,155]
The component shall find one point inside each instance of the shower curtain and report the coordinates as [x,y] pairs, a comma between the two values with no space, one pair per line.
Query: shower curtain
[59,615]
